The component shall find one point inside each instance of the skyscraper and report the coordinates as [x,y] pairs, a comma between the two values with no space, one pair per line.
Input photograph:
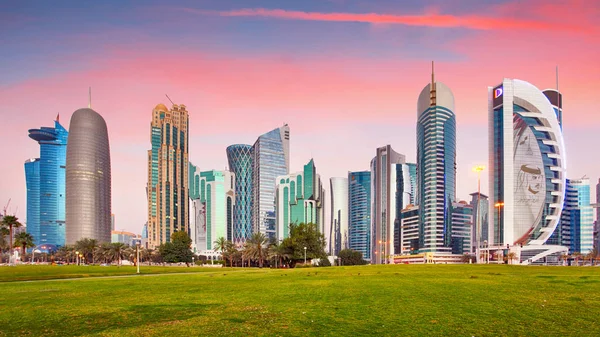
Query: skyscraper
[167,188]
[46,186]
[388,197]
[239,157]
[597,223]
[271,159]
[299,199]
[577,219]
[338,230]
[88,179]
[436,165]
[461,228]
[213,195]
[480,218]
[359,209]
[527,166]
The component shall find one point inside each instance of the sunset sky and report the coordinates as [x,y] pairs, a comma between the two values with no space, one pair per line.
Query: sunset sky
[345,75]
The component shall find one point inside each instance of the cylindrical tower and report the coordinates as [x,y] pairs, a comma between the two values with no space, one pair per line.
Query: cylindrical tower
[239,157]
[88,202]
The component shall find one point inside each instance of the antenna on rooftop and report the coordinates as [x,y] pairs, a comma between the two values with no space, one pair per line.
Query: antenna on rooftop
[169,99]
[90,99]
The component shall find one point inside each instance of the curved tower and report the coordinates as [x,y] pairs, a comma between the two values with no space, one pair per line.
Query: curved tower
[527,164]
[239,157]
[436,166]
[88,182]
[338,230]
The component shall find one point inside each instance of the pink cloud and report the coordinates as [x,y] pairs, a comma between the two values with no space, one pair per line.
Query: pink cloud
[431,18]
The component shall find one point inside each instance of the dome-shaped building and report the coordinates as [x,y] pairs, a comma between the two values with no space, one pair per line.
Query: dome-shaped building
[88,179]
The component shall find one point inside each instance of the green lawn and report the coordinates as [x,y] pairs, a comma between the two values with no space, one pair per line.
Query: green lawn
[41,272]
[402,300]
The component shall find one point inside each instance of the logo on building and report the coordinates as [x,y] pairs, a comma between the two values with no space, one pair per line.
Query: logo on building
[498,92]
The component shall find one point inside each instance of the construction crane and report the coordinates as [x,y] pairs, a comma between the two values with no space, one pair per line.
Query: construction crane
[6,207]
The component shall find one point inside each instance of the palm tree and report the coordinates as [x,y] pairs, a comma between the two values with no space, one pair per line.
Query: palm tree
[593,256]
[3,244]
[511,257]
[116,251]
[102,252]
[87,247]
[24,240]
[257,246]
[10,222]
[278,252]
[230,251]
[576,256]
[221,245]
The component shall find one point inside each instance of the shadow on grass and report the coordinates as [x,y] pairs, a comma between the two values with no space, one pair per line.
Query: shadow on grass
[122,318]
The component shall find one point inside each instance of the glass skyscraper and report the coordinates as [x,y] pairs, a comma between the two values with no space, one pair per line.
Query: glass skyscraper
[213,196]
[436,166]
[271,159]
[46,186]
[387,194]
[299,199]
[239,157]
[338,230]
[527,166]
[577,219]
[88,178]
[167,188]
[359,209]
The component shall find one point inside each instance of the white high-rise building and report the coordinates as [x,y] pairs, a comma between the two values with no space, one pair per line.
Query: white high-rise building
[338,230]
[527,164]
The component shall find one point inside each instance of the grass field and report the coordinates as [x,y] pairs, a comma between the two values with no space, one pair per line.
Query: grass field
[402,300]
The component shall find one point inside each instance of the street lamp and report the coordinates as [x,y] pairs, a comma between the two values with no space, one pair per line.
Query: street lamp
[499,205]
[77,256]
[137,261]
[305,256]
[478,169]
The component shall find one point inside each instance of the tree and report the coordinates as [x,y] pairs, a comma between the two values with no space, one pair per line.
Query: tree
[593,255]
[221,245]
[178,250]
[230,252]
[256,248]
[10,222]
[576,256]
[116,251]
[24,240]
[278,252]
[304,235]
[349,257]
[87,247]
[511,257]
[3,242]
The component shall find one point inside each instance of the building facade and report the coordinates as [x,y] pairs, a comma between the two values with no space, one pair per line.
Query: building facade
[576,229]
[213,202]
[338,227]
[359,212]
[124,237]
[240,158]
[409,231]
[299,199]
[462,228]
[387,197]
[436,165]
[271,159]
[167,187]
[46,186]
[527,165]
[88,178]
[480,219]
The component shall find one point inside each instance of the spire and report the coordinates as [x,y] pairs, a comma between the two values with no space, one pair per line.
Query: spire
[58,117]
[90,99]
[432,96]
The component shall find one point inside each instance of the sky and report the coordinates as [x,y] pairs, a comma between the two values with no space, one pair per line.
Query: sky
[344,75]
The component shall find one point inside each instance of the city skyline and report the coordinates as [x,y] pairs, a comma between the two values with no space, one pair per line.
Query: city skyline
[220,78]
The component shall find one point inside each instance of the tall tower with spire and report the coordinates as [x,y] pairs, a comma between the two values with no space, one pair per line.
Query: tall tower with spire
[436,165]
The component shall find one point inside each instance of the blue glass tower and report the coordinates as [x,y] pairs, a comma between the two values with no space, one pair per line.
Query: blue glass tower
[270,159]
[436,166]
[45,179]
[576,229]
[239,157]
[359,209]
